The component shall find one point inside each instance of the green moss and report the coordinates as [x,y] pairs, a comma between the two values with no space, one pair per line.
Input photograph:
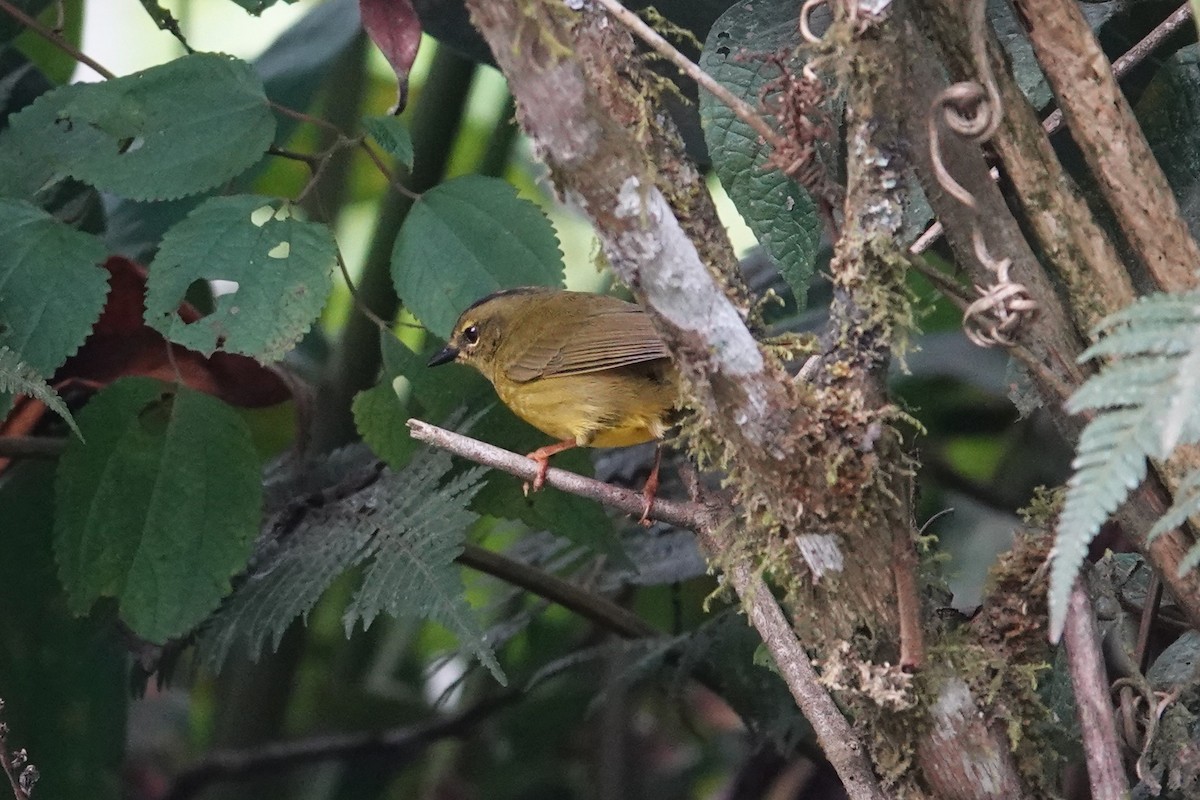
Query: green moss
[1043,507]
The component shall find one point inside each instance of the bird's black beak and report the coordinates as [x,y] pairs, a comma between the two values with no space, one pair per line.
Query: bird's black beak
[447,354]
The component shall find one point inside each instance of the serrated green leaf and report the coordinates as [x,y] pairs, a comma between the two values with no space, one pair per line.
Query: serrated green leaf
[466,238]
[283,267]
[392,135]
[411,571]
[163,133]
[738,53]
[159,509]
[51,287]
[17,377]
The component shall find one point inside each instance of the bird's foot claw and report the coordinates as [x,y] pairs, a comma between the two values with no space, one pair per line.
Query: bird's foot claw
[539,480]
[648,493]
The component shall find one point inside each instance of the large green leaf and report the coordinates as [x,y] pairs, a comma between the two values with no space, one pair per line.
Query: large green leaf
[163,133]
[159,508]
[51,289]
[282,266]
[294,70]
[739,52]
[467,238]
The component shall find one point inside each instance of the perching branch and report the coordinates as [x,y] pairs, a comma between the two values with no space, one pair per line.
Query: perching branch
[683,515]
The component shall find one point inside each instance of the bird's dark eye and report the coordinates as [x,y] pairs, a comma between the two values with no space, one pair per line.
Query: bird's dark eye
[471,334]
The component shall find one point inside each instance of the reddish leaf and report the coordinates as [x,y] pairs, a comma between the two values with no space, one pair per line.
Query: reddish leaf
[394,28]
[122,344]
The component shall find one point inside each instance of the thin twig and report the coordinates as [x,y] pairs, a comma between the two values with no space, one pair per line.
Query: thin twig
[15,765]
[306,159]
[593,607]
[1150,607]
[683,515]
[300,116]
[1085,662]
[361,304]
[10,772]
[362,143]
[398,745]
[908,600]
[744,111]
[49,35]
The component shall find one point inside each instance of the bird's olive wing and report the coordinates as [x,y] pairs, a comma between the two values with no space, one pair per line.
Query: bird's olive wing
[606,339]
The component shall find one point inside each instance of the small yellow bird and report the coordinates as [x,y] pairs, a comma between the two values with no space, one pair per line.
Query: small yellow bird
[586,369]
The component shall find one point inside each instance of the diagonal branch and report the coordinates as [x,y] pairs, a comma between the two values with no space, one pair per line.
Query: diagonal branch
[1085,660]
[1112,142]
[683,515]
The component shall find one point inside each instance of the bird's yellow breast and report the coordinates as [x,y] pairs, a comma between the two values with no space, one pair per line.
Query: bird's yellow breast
[610,408]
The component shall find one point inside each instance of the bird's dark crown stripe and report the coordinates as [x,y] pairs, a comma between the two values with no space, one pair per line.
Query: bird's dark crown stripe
[504,293]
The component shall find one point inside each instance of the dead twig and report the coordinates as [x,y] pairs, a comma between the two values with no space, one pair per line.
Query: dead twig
[1085,662]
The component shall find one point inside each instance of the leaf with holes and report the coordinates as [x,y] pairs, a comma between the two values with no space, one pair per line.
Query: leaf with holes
[159,509]
[282,267]
[52,287]
[163,133]
[467,238]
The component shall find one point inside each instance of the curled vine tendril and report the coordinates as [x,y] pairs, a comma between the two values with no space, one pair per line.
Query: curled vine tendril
[972,110]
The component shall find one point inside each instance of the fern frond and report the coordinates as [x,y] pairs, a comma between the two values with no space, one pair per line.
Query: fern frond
[1147,402]
[405,525]
[19,378]
[411,570]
